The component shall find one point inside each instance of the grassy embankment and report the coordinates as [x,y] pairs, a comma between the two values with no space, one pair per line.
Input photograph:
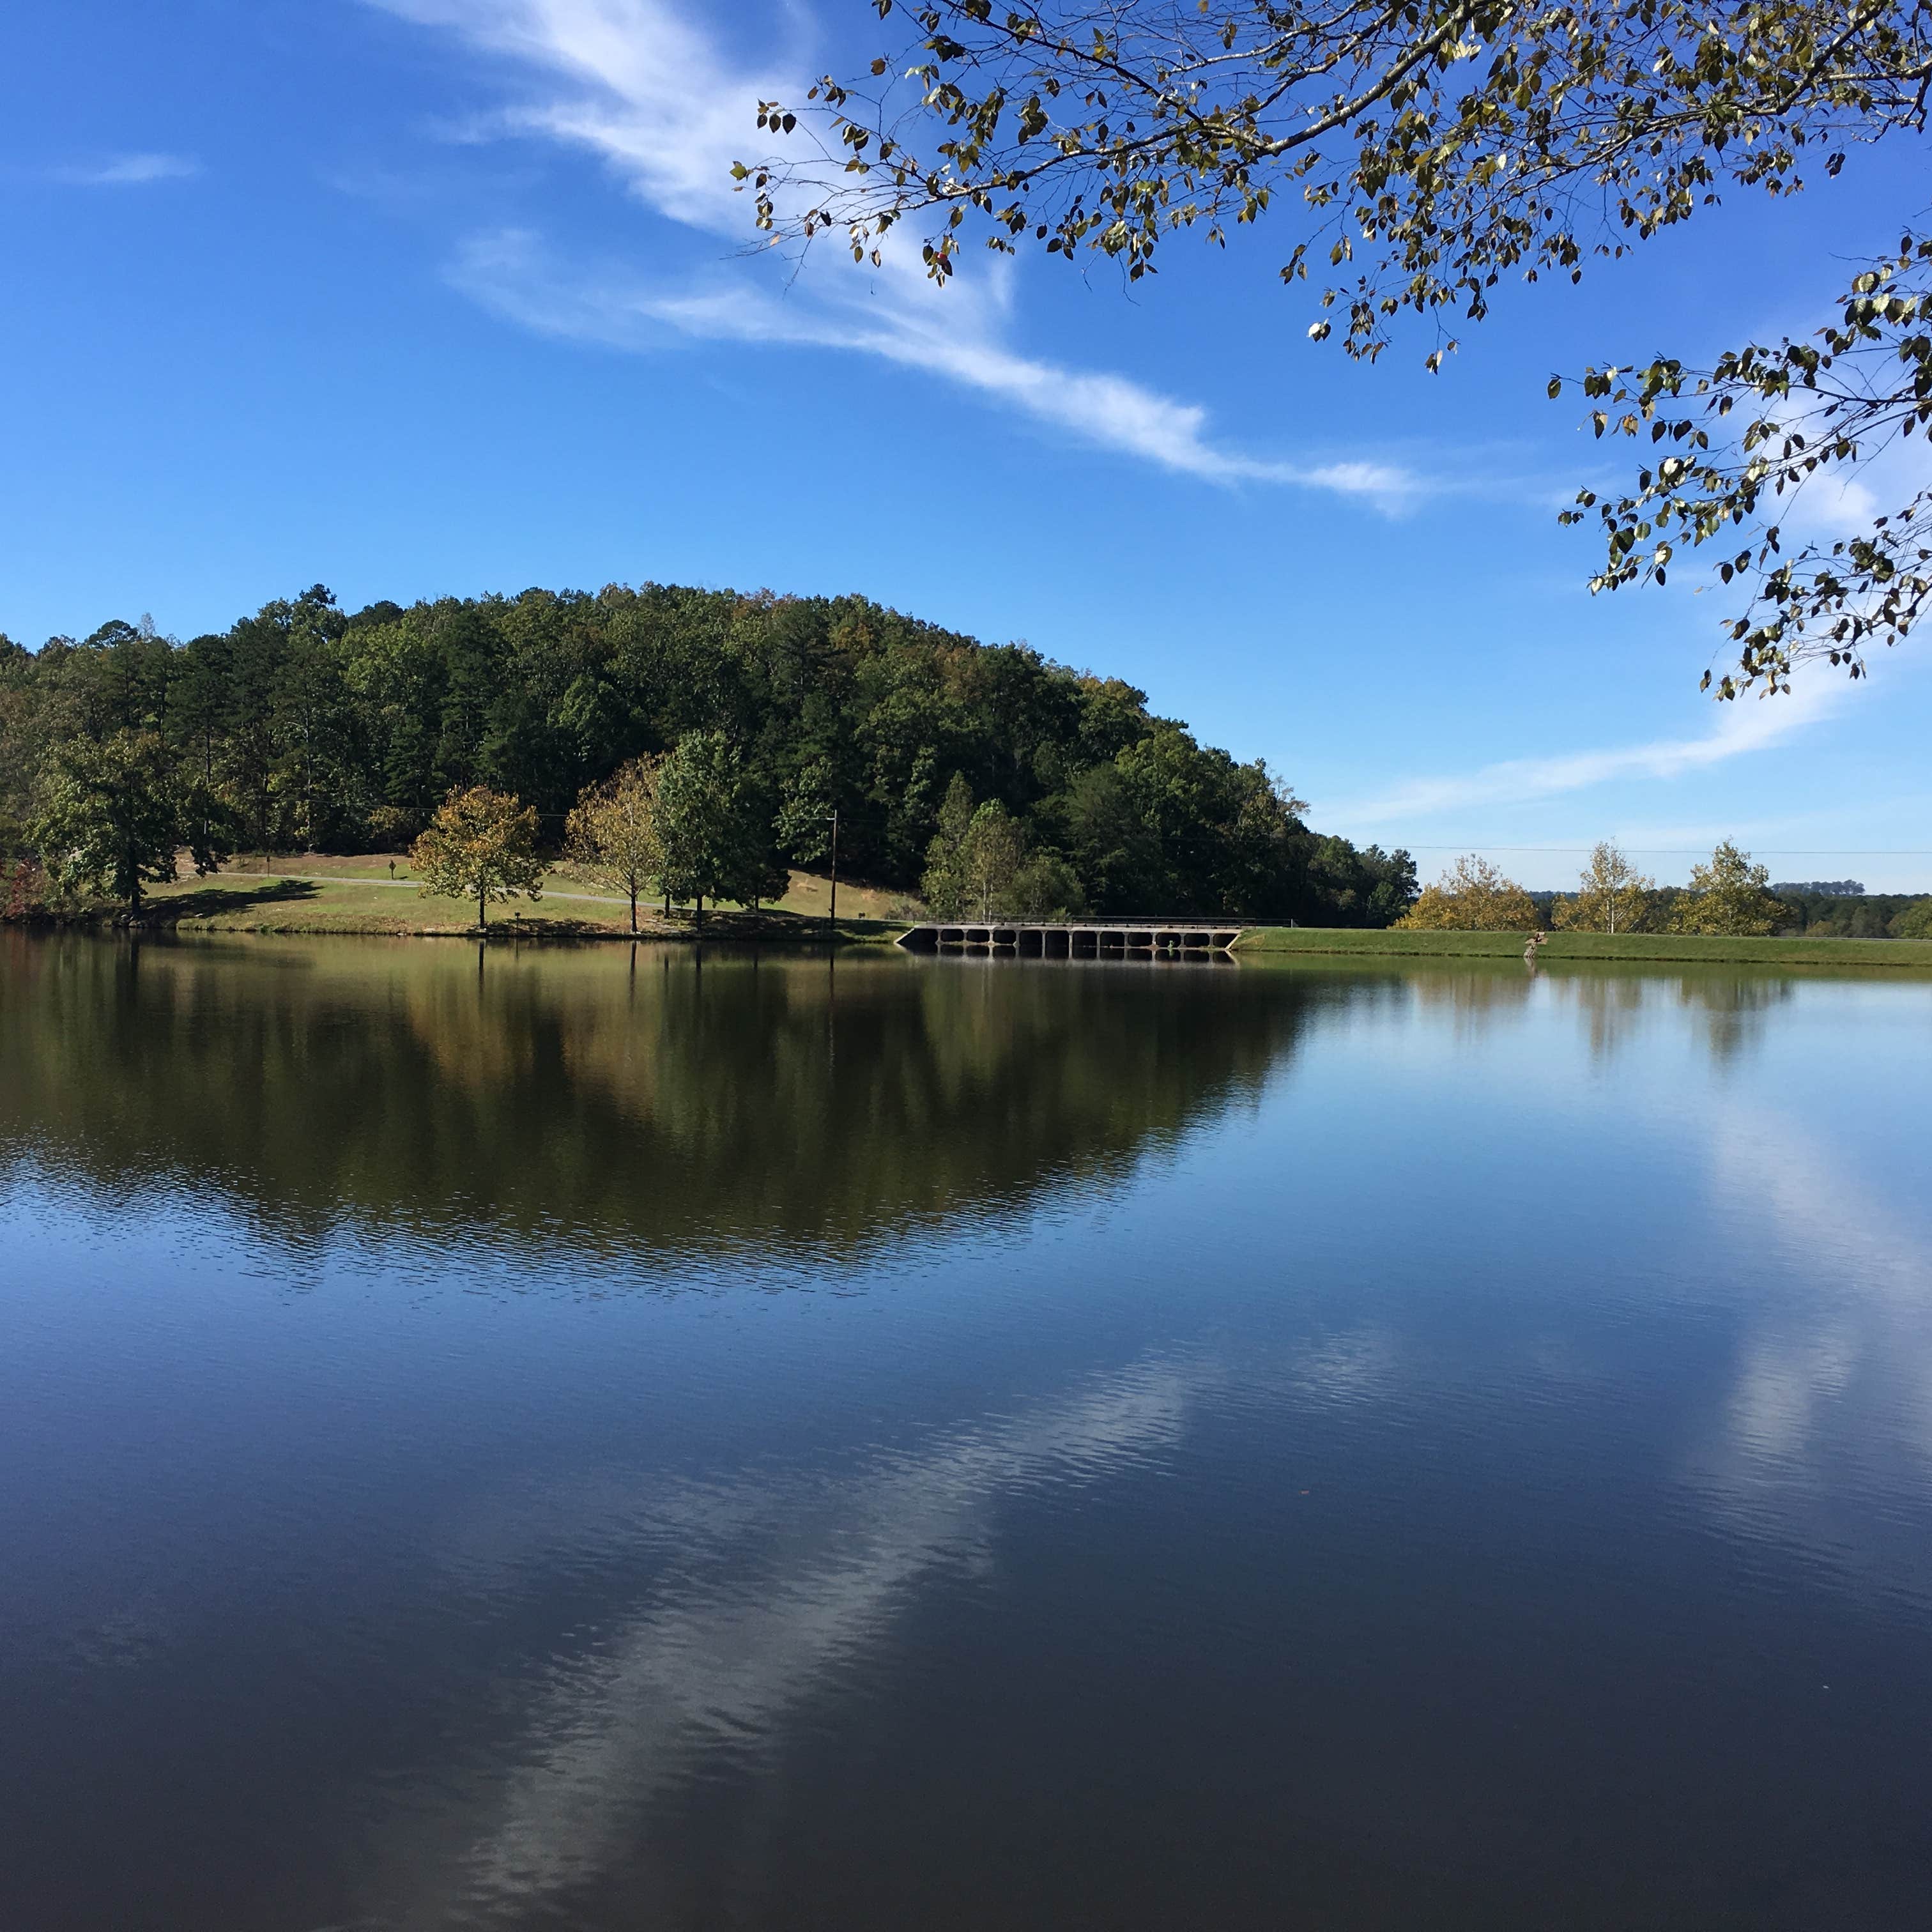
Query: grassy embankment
[1287,941]
[313,892]
[321,892]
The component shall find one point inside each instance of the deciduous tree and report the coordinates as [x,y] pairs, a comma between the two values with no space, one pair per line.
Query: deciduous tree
[1729,896]
[945,885]
[612,836]
[714,829]
[1612,895]
[990,859]
[1473,896]
[114,816]
[1046,886]
[480,845]
[804,827]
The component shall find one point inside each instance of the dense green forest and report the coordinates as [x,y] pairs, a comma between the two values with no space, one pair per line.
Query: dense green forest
[304,727]
[1836,913]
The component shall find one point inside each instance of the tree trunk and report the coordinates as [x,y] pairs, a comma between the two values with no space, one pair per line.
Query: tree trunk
[482,907]
[633,909]
[701,908]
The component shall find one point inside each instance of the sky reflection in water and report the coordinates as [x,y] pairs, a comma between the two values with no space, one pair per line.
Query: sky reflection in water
[619,1443]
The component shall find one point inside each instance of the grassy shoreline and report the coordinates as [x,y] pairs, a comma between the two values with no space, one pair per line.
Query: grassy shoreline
[1306,941]
[312,893]
[317,893]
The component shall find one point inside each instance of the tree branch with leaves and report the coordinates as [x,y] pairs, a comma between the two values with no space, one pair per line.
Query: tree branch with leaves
[1861,387]
[1433,150]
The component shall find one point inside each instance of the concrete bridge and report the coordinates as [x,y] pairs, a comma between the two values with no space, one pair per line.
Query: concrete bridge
[1075,939]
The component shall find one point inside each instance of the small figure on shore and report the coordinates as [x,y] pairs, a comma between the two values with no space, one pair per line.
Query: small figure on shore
[1538,937]
[392,871]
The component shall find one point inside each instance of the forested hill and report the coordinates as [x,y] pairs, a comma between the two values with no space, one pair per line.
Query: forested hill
[318,729]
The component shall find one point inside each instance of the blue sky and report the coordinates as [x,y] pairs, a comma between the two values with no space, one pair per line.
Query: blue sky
[423,296]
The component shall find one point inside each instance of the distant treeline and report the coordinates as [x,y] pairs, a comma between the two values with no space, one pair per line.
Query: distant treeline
[1826,913]
[314,728]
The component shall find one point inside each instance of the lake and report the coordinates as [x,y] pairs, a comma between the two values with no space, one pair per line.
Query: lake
[628,1438]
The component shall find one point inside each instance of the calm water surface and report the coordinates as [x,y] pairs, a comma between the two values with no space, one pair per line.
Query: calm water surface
[564,1438]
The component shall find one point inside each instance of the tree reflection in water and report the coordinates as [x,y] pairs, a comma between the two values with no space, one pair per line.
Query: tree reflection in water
[621,1099]
[1426,1491]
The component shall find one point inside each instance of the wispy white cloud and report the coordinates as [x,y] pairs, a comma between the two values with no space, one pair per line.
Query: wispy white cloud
[637,84]
[1834,1380]
[125,170]
[511,271]
[1750,725]
[701,1665]
[649,92]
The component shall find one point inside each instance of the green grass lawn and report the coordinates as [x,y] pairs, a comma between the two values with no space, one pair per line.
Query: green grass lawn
[319,892]
[1306,940]
[232,903]
[322,892]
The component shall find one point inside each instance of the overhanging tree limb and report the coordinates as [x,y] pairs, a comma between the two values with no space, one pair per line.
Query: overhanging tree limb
[1435,148]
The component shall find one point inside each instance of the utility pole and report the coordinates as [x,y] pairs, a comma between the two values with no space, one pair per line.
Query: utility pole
[831,917]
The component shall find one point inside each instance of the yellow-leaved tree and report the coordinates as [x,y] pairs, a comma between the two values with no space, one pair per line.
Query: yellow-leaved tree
[1473,896]
[480,845]
[1612,895]
[613,834]
[1729,896]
